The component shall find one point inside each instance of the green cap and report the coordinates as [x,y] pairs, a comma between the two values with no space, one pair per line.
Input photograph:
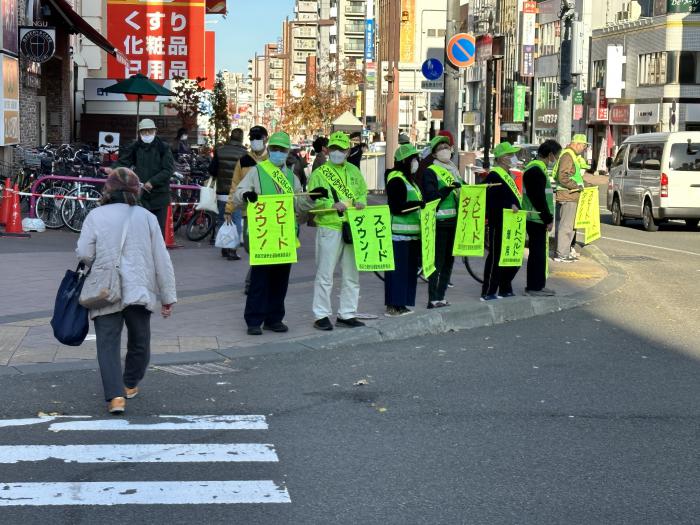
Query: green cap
[280,139]
[504,148]
[579,138]
[404,151]
[339,139]
[439,139]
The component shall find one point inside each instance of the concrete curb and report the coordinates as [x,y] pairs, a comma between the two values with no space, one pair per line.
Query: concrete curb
[451,319]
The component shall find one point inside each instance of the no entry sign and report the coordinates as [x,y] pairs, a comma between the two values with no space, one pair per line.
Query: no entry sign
[461,50]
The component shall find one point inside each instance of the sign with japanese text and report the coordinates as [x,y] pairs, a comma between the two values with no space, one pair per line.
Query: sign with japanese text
[471,222]
[9,134]
[272,230]
[601,105]
[428,225]
[161,39]
[588,213]
[519,93]
[683,6]
[527,68]
[371,235]
[513,240]
[593,230]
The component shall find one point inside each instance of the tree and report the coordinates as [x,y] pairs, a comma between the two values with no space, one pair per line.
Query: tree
[220,118]
[188,96]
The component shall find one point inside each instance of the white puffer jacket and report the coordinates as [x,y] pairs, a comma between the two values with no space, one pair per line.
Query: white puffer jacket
[146,270]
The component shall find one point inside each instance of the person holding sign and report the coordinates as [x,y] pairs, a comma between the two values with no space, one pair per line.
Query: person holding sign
[405,202]
[440,180]
[538,199]
[569,180]
[264,306]
[503,195]
[342,186]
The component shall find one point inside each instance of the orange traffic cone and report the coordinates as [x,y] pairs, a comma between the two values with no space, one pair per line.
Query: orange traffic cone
[13,228]
[5,202]
[170,230]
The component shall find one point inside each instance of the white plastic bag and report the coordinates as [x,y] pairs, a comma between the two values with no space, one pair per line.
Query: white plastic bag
[207,197]
[228,237]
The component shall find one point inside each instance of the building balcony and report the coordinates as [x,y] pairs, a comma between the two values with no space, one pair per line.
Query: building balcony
[355,10]
[355,28]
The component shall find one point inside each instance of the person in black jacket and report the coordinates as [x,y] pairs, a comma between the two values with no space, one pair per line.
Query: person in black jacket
[538,199]
[503,196]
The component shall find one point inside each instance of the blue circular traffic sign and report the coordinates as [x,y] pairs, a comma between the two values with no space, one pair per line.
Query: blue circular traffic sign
[432,69]
[461,50]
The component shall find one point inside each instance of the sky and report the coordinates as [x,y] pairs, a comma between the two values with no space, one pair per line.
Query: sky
[248,26]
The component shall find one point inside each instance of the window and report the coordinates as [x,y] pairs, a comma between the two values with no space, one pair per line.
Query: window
[549,38]
[547,93]
[647,156]
[598,79]
[436,33]
[620,157]
[687,67]
[652,69]
[681,160]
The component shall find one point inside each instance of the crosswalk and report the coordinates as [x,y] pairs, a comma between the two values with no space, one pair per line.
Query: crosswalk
[138,456]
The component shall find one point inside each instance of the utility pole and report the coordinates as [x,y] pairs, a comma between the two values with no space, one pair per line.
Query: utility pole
[392,78]
[451,76]
[565,107]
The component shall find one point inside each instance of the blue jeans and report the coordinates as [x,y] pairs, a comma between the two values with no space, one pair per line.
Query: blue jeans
[236,217]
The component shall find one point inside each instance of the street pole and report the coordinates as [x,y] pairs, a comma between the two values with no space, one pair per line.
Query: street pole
[487,112]
[392,104]
[451,76]
[256,78]
[565,82]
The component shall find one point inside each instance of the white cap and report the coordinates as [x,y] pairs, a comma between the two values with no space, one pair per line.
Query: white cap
[147,123]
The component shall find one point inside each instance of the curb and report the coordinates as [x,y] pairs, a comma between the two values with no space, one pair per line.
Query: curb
[451,319]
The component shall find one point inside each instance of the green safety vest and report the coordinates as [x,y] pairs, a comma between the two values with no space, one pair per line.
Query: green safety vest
[577,177]
[548,193]
[409,223]
[508,181]
[273,180]
[447,209]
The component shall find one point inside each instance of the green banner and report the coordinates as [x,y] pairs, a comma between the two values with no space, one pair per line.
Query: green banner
[272,230]
[428,225]
[471,222]
[513,240]
[371,234]
[519,94]
[682,6]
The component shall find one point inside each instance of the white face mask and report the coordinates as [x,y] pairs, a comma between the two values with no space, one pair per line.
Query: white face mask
[184,137]
[444,155]
[257,145]
[414,166]
[147,139]
[337,157]
[514,161]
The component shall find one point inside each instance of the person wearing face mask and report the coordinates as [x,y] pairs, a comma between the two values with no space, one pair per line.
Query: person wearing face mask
[342,186]
[405,202]
[538,198]
[152,160]
[264,308]
[439,179]
[505,195]
[181,146]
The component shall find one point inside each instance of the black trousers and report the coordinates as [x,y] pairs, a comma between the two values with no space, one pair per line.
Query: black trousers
[400,284]
[497,279]
[444,260]
[161,214]
[537,258]
[268,289]
[108,329]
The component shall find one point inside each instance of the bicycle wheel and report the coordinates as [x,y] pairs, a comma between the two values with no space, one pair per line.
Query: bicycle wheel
[178,211]
[73,212]
[477,274]
[200,226]
[48,209]
[380,276]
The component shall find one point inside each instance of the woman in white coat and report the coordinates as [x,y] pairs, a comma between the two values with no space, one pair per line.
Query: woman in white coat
[147,276]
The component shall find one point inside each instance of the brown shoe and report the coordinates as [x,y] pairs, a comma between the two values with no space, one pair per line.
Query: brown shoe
[117,405]
[131,392]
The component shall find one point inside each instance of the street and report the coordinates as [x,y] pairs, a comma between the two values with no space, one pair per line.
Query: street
[584,416]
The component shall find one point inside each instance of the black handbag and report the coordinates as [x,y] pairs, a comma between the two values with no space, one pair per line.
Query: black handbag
[345,228]
[70,320]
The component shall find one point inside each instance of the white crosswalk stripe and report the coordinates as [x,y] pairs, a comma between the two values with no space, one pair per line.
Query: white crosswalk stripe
[147,491]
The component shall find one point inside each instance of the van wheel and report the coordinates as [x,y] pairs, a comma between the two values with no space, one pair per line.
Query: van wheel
[692,223]
[617,218]
[648,218]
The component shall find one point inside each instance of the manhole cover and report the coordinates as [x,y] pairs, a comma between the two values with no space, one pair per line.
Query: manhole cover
[197,369]
[632,258]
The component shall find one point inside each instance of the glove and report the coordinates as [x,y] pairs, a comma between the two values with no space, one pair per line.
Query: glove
[445,192]
[322,193]
[456,185]
[250,196]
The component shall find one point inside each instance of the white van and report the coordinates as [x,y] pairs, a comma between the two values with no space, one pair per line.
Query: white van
[656,177]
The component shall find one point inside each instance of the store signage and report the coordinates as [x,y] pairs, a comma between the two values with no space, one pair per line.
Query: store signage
[9,123]
[519,93]
[577,113]
[512,126]
[546,118]
[484,47]
[37,44]
[8,29]
[369,40]
[646,114]
[601,105]
[471,118]
[527,68]
[621,114]
[578,97]
[683,6]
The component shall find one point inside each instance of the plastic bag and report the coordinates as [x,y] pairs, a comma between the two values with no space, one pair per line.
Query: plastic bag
[228,237]
[207,197]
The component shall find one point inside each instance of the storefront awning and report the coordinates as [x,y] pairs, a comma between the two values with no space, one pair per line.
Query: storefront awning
[78,24]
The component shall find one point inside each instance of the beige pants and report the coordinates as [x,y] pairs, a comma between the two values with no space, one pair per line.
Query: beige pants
[330,249]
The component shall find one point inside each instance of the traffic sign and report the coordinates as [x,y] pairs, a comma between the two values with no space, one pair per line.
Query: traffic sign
[432,69]
[461,50]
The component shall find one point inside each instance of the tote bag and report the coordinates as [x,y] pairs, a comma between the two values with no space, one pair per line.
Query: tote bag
[70,321]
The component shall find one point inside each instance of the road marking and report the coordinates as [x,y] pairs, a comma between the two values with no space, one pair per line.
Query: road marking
[33,421]
[652,246]
[185,423]
[142,493]
[141,453]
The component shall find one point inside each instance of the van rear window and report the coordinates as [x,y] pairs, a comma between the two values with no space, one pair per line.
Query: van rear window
[682,160]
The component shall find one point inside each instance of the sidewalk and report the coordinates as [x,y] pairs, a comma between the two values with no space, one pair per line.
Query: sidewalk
[209,314]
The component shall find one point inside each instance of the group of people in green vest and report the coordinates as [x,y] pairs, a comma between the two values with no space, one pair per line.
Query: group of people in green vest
[337,185]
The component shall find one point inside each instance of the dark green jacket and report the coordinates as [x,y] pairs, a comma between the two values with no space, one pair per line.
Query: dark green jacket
[152,163]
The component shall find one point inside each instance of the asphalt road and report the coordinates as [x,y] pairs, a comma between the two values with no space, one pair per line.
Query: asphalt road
[588,416]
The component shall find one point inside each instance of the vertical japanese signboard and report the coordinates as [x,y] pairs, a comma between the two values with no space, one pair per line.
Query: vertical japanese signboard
[371,234]
[272,230]
[471,222]
[528,24]
[428,226]
[161,39]
[408,31]
[519,93]
[10,101]
[513,240]
[588,214]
